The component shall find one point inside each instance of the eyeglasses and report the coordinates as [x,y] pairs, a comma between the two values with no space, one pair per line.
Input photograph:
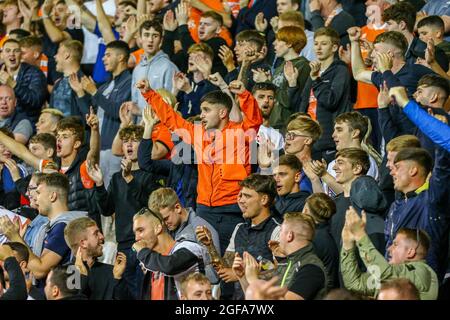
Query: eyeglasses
[145,211]
[291,135]
[29,189]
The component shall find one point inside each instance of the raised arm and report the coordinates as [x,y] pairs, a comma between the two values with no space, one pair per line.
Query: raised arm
[166,114]
[217,80]
[141,7]
[103,23]
[316,18]
[252,114]
[358,67]
[55,35]
[88,20]
[203,8]
[171,265]
[28,12]
[125,115]
[20,151]
[93,155]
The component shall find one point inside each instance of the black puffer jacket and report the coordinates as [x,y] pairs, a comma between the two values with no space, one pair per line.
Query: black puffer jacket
[80,198]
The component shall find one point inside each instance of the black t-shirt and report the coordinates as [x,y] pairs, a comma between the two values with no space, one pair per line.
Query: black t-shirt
[308,281]
[50,48]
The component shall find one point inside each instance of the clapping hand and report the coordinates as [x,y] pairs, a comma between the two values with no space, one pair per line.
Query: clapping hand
[181,82]
[125,114]
[261,23]
[252,267]
[265,290]
[355,224]
[238,266]
[266,154]
[76,84]
[149,117]
[261,75]
[227,57]
[290,73]
[169,22]
[383,96]
[8,228]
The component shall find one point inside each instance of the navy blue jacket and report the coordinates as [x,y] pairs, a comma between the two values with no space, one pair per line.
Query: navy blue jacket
[292,202]
[426,208]
[31,90]
[190,102]
[246,17]
[111,105]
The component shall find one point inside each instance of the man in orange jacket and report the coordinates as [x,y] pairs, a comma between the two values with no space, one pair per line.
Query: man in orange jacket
[222,150]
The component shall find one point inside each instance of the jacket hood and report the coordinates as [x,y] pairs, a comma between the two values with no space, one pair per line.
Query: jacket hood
[159,57]
[68,216]
[366,195]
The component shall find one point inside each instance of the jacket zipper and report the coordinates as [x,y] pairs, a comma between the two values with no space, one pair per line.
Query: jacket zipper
[212,186]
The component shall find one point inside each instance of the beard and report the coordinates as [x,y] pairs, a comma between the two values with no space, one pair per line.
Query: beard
[95,252]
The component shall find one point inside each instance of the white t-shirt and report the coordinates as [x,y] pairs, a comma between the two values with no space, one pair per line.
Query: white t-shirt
[373,172]
[90,49]
[272,134]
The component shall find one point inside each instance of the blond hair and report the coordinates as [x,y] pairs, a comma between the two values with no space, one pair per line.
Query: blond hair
[162,198]
[294,17]
[167,96]
[196,277]
[402,142]
[75,48]
[75,231]
[303,225]
[307,125]
[53,112]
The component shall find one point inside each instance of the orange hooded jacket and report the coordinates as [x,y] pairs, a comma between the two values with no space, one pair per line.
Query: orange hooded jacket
[223,157]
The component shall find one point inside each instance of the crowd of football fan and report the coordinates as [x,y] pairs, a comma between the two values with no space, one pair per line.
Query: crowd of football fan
[224,149]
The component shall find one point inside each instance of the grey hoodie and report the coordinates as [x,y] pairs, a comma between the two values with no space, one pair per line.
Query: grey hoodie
[159,71]
[186,232]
